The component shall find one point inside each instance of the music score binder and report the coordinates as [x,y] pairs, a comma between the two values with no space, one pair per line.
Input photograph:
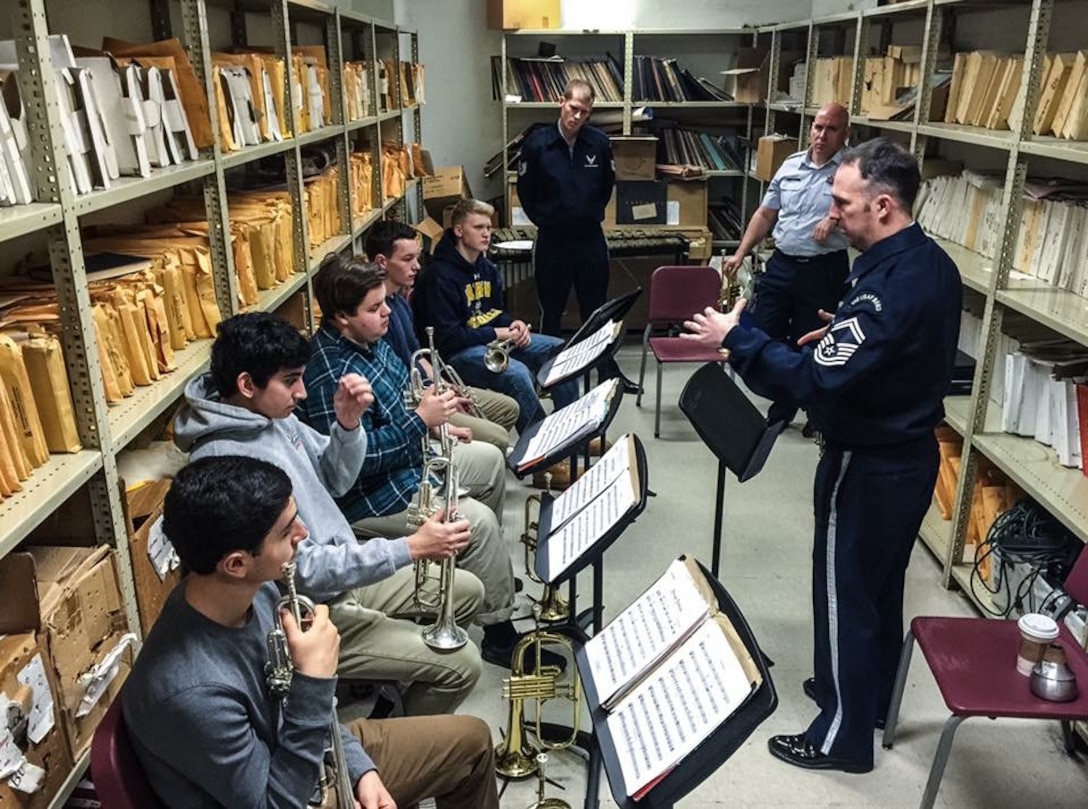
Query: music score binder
[580,357]
[714,746]
[635,474]
[521,464]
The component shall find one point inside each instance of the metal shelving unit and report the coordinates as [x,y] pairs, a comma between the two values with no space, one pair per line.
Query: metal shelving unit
[105,430]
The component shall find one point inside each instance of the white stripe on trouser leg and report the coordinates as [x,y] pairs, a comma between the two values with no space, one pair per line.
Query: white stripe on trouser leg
[833,607]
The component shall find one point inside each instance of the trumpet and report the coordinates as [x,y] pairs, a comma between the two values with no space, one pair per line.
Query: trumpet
[444,633]
[497,354]
[553,607]
[515,758]
[279,671]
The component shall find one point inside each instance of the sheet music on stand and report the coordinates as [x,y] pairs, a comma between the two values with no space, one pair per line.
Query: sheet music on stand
[580,418]
[574,358]
[584,490]
[677,706]
[648,629]
[566,545]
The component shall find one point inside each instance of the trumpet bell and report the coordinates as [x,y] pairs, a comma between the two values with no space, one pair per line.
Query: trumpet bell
[514,764]
[445,637]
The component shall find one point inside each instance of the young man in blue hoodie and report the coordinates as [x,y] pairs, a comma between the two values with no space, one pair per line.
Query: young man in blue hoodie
[245,406]
[461,296]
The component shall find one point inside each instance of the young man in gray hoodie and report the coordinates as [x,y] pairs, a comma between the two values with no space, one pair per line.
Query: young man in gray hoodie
[244,406]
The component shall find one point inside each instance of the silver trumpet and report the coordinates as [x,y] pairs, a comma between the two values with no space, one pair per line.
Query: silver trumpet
[444,633]
[497,355]
[279,671]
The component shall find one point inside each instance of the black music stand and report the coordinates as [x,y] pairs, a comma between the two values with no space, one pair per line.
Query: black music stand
[702,762]
[615,309]
[733,429]
[593,555]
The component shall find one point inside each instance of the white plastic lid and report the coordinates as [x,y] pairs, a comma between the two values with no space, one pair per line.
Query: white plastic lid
[1038,626]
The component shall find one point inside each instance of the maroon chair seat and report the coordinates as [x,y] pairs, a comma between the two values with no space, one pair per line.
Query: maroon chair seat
[118,778]
[973,661]
[676,293]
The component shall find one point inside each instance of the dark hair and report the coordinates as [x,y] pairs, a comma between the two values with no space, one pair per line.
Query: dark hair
[219,505]
[258,343]
[887,167]
[382,238]
[341,285]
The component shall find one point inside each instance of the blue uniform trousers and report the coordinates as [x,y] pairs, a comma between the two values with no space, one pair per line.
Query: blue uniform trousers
[791,292]
[566,257]
[869,504]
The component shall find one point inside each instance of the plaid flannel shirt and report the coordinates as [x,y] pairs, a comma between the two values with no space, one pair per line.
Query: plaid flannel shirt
[392,470]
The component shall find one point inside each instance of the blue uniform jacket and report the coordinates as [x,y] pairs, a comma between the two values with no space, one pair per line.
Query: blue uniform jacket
[558,189]
[880,374]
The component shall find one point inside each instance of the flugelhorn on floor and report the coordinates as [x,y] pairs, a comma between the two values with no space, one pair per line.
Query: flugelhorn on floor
[514,757]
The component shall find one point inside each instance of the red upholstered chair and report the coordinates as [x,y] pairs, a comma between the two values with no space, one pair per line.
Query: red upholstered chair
[973,661]
[676,293]
[118,778]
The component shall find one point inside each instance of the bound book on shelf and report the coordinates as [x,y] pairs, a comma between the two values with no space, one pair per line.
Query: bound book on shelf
[669,669]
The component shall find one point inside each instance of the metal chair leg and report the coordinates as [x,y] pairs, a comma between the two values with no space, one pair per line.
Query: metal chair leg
[642,364]
[940,759]
[657,406]
[892,719]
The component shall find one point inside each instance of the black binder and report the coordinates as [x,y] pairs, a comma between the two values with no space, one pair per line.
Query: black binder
[714,750]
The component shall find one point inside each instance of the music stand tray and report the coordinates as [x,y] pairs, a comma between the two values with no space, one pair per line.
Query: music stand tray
[715,750]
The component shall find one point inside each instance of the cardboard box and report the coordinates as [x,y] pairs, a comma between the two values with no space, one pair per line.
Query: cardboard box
[26,679]
[641,203]
[151,554]
[690,200]
[635,157]
[448,185]
[772,152]
[71,594]
[430,232]
[747,82]
[508,15]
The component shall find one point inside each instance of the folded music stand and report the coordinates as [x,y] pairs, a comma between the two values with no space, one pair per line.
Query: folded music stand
[734,430]
[705,759]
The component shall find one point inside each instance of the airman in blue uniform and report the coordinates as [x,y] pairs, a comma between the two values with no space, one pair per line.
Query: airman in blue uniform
[875,378]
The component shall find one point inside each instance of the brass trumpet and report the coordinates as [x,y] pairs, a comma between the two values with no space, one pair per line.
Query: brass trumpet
[515,758]
[553,607]
[497,355]
[279,671]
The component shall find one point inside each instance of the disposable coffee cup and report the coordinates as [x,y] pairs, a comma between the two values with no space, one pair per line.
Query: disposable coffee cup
[1036,633]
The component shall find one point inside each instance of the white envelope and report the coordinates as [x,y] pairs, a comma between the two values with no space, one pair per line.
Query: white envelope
[16,149]
[151,105]
[270,108]
[132,106]
[174,114]
[74,141]
[240,93]
[316,100]
[103,157]
[114,109]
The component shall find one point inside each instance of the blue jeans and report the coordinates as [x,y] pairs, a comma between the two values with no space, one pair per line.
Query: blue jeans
[519,378]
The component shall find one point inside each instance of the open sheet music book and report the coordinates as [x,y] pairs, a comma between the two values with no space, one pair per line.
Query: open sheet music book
[576,420]
[582,530]
[573,359]
[669,669]
[594,481]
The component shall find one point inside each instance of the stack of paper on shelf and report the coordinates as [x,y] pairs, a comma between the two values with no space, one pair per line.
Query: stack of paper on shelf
[15,188]
[310,93]
[170,54]
[985,89]
[357,90]
[23,445]
[248,112]
[323,207]
[387,75]
[362,184]
[1063,102]
[396,165]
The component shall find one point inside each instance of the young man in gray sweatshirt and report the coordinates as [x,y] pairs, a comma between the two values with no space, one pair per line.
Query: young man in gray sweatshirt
[243,406]
[206,725]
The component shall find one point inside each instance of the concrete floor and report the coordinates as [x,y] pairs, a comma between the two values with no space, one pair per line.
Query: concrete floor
[766,568]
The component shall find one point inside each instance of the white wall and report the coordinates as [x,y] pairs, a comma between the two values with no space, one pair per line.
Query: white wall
[823,8]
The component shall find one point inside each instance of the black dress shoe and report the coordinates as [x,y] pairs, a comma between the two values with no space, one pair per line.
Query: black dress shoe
[798,751]
[809,687]
[809,430]
[630,386]
[500,641]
